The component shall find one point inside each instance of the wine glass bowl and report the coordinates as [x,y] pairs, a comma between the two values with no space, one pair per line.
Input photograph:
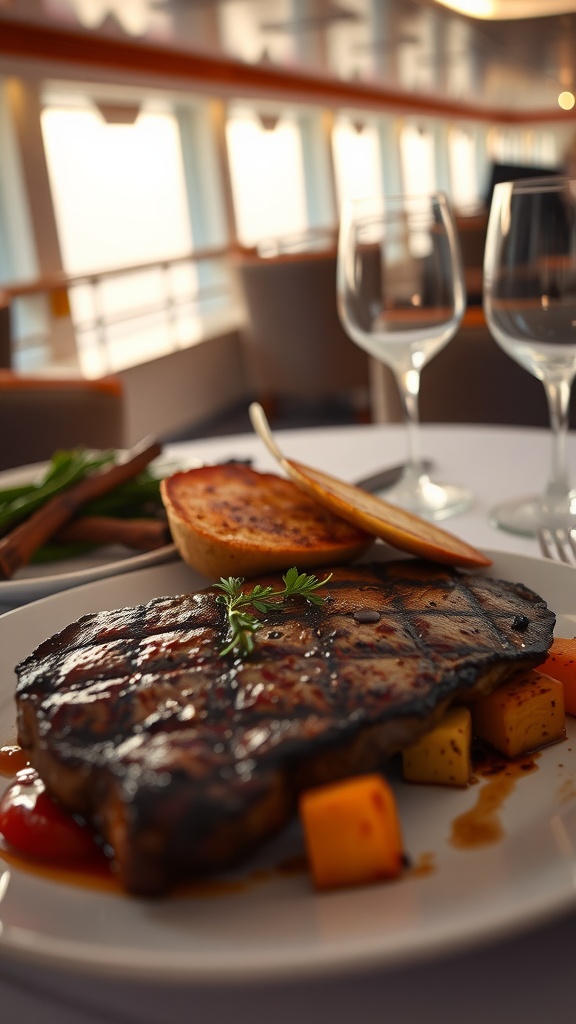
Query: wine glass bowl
[530,308]
[401,297]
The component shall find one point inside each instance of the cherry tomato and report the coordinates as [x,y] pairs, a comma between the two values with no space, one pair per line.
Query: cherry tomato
[34,825]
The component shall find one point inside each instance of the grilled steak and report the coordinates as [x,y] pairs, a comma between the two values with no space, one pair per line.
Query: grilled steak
[184,761]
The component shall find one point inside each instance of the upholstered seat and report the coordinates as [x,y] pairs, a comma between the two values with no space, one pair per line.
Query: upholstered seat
[472,380]
[39,414]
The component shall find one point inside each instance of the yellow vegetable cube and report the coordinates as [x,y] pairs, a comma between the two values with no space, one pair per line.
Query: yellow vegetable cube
[442,755]
[352,832]
[524,714]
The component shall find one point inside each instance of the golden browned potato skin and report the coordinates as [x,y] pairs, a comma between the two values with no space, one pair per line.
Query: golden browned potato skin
[229,520]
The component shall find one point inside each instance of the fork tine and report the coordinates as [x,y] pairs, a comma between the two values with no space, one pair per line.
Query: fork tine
[561,537]
[545,541]
[559,544]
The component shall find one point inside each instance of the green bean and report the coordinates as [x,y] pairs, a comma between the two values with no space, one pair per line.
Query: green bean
[138,495]
[11,493]
[65,469]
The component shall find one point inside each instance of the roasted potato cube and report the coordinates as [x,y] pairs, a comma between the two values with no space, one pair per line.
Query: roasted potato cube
[442,756]
[524,714]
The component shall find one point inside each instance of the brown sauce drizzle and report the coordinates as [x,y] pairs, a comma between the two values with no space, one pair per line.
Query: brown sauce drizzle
[425,865]
[12,760]
[207,887]
[95,873]
[482,825]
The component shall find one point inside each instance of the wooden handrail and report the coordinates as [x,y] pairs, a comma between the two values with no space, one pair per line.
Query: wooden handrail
[55,282]
[10,380]
[473,317]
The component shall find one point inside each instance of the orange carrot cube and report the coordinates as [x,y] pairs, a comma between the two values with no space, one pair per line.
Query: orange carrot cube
[352,832]
[561,664]
[524,714]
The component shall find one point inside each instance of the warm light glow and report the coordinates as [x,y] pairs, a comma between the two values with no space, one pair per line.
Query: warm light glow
[137,18]
[508,9]
[566,100]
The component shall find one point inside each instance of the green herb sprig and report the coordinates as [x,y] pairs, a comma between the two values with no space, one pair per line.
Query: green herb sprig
[242,625]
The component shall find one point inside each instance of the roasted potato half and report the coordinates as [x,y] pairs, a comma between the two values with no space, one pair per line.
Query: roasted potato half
[229,520]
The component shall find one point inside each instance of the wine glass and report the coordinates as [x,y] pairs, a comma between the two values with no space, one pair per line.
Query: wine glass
[401,297]
[530,307]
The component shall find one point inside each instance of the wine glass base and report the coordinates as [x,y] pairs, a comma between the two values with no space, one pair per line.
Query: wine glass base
[526,515]
[429,500]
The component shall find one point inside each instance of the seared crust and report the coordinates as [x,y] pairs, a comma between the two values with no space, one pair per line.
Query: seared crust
[229,520]
[184,761]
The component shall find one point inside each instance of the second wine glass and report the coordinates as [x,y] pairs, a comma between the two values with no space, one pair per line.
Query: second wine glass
[401,297]
[530,306]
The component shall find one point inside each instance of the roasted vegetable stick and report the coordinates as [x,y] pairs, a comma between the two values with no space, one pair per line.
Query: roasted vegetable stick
[352,832]
[18,546]
[142,534]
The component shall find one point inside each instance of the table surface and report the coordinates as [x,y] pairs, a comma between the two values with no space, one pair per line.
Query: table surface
[526,979]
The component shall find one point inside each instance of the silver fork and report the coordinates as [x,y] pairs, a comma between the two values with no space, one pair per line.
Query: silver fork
[558,543]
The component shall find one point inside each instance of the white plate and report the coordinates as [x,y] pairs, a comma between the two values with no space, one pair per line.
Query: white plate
[34,581]
[279,926]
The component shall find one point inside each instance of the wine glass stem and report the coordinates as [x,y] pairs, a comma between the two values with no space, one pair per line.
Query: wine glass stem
[558,396]
[409,387]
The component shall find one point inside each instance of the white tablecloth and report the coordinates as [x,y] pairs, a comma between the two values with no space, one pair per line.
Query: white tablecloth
[526,979]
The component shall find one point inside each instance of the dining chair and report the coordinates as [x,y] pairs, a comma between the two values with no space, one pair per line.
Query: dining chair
[39,414]
[293,342]
[473,381]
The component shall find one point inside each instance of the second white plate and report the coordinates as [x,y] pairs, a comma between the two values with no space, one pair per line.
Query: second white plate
[35,581]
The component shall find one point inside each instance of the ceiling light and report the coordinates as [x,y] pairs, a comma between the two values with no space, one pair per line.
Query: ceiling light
[507,10]
[566,100]
[269,122]
[119,113]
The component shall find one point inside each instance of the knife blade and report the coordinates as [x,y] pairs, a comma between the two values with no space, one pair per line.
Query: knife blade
[386,478]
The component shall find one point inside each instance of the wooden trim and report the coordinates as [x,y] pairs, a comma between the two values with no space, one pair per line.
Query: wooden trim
[83,50]
[12,381]
[473,317]
[55,282]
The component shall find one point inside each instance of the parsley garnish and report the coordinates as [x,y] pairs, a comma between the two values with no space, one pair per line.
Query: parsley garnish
[242,625]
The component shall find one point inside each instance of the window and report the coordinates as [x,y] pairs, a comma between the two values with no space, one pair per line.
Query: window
[119,194]
[267,174]
[118,189]
[463,177]
[417,157]
[357,164]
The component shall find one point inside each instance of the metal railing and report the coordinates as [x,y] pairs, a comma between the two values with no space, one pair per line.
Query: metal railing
[119,316]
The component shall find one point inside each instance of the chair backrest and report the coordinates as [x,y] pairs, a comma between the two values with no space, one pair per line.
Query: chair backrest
[40,414]
[472,380]
[293,340]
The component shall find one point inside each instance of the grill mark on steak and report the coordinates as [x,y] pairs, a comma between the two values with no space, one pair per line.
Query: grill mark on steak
[183,761]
